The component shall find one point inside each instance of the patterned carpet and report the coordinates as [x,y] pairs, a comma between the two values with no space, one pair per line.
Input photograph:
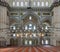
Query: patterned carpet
[31,49]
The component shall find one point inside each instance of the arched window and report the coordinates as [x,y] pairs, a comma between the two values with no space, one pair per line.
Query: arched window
[30,42]
[42,42]
[14,35]
[34,3]
[17,3]
[21,3]
[26,42]
[26,3]
[46,28]
[38,3]
[30,18]
[13,3]
[46,3]
[26,27]
[46,42]
[34,27]
[42,4]
[14,28]
[30,26]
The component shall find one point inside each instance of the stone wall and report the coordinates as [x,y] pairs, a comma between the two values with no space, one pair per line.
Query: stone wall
[4,23]
[56,25]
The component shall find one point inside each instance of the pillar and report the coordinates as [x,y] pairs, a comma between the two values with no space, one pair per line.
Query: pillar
[4,23]
[38,41]
[56,25]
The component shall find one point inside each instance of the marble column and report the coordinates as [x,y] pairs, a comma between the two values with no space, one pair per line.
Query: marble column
[38,40]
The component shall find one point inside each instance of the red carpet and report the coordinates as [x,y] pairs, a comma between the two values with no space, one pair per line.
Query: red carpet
[31,49]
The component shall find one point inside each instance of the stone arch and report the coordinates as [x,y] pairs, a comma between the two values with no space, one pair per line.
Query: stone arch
[30,23]
[13,42]
[2,41]
[32,14]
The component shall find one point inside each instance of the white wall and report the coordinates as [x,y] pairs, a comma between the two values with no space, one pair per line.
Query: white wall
[4,22]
